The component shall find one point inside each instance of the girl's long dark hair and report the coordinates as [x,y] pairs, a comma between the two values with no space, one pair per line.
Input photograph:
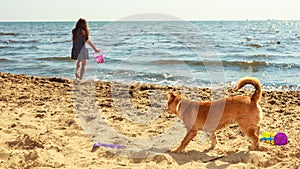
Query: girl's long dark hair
[81,25]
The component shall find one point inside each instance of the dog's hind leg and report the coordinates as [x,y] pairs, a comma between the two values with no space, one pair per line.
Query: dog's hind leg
[253,133]
[255,137]
[213,140]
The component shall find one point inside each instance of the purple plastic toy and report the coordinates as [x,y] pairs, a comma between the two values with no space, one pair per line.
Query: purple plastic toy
[97,145]
[280,139]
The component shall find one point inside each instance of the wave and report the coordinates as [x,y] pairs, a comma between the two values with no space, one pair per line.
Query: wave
[7,34]
[257,45]
[211,63]
[4,60]
[59,42]
[246,56]
[18,47]
[63,58]
[259,56]
[4,47]
[259,64]
[54,34]
[26,47]
[167,62]
[22,41]
[254,64]
[202,63]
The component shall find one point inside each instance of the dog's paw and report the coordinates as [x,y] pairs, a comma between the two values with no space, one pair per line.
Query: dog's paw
[176,151]
[210,148]
[254,148]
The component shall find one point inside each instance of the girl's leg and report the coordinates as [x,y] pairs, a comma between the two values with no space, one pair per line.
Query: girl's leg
[77,69]
[83,65]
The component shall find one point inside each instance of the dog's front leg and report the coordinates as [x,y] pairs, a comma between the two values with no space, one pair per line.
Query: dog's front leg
[189,136]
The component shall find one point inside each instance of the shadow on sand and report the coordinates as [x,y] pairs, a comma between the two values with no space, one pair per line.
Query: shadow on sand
[234,158]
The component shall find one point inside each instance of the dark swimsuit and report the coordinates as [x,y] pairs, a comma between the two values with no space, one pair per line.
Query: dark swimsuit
[79,50]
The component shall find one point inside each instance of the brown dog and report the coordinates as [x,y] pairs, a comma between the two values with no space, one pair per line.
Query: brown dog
[211,116]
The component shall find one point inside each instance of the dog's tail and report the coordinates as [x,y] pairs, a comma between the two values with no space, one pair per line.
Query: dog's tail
[255,82]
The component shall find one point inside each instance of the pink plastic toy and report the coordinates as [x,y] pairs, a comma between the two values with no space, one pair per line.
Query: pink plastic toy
[99,57]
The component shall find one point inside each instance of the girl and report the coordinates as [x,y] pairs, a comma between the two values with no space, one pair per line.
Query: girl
[79,51]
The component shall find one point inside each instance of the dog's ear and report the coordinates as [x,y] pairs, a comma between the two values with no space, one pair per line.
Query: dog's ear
[170,96]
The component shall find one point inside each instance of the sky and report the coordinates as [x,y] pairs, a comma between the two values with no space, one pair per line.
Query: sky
[113,10]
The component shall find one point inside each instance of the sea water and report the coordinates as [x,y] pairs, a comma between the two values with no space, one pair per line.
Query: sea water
[176,53]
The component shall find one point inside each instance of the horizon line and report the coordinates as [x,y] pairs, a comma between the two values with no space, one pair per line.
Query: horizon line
[192,20]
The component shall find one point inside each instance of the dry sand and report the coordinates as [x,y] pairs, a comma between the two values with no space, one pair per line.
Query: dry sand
[41,126]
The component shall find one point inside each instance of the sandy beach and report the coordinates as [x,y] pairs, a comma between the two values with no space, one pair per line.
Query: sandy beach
[40,126]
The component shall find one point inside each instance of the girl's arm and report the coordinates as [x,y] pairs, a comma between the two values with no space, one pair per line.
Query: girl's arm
[93,46]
